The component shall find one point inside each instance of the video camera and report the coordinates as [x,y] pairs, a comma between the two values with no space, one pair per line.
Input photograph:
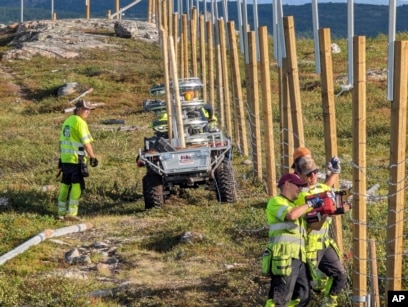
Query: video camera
[333,204]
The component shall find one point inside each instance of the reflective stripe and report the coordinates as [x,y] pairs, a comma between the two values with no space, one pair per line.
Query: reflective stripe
[282,226]
[286,238]
[86,138]
[71,151]
[320,232]
[280,212]
[69,143]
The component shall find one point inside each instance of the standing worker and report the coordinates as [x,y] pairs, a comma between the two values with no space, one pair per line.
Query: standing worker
[75,147]
[286,264]
[322,252]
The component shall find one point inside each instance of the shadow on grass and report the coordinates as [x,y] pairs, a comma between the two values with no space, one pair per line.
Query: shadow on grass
[164,243]
[45,203]
[261,205]
[28,202]
[216,289]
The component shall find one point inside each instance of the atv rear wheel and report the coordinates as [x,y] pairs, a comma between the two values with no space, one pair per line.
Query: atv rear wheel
[224,183]
[153,190]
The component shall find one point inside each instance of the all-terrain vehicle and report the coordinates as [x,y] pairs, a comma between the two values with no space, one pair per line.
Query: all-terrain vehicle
[204,161]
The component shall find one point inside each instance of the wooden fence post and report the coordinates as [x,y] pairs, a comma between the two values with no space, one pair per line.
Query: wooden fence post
[254,103]
[267,112]
[225,79]
[329,116]
[286,123]
[203,67]
[238,100]
[396,188]
[359,178]
[293,81]
[165,52]
[374,274]
[184,21]
[176,97]
[193,44]
[210,48]
[175,35]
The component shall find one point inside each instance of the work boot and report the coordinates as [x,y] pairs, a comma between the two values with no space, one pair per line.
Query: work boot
[330,301]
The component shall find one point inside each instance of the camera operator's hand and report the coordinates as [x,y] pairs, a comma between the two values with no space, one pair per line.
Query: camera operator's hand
[315,203]
[94,162]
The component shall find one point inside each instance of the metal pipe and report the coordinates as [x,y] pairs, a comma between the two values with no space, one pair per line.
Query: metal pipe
[350,28]
[46,234]
[391,40]
[315,15]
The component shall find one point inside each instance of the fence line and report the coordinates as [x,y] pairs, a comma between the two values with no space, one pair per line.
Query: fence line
[292,134]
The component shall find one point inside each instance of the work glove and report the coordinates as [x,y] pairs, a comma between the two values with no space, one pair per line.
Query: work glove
[93,162]
[333,167]
[315,203]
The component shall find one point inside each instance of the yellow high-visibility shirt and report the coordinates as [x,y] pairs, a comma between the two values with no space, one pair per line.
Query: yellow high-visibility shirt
[74,135]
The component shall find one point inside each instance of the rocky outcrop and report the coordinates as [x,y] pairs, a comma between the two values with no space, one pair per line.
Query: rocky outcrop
[66,38]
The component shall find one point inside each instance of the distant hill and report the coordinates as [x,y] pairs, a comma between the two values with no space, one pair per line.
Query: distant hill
[370,20]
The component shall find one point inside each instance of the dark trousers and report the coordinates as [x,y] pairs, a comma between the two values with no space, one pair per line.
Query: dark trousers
[295,286]
[71,173]
[330,264]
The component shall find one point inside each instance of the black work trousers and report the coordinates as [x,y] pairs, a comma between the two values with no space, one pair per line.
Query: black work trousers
[292,287]
[329,263]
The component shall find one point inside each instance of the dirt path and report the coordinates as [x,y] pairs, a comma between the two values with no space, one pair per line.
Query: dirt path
[9,86]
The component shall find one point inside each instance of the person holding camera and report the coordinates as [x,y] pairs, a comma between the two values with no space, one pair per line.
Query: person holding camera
[75,149]
[323,256]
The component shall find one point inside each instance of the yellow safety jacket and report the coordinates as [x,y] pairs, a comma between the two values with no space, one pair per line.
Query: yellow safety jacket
[317,239]
[74,135]
[286,238]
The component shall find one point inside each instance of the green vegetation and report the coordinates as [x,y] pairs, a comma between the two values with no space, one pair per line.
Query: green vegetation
[222,266]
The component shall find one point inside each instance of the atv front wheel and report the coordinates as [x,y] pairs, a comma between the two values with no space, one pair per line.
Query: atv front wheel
[224,183]
[153,190]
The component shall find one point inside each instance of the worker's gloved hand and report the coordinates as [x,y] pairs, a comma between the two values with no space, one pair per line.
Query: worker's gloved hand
[333,167]
[315,203]
[59,163]
[93,162]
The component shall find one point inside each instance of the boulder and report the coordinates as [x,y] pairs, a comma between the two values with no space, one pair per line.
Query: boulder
[126,29]
[67,89]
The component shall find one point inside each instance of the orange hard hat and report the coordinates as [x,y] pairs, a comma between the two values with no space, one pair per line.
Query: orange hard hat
[301,152]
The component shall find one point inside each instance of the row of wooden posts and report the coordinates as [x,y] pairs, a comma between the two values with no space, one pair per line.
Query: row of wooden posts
[229,87]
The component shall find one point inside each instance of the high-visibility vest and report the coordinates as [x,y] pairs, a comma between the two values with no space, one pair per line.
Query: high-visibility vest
[285,237]
[317,239]
[74,135]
